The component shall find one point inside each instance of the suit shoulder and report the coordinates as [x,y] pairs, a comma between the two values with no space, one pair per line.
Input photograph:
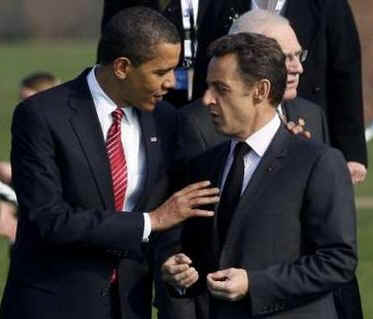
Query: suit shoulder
[194,110]
[307,106]
[211,154]
[48,100]
[311,148]
[165,115]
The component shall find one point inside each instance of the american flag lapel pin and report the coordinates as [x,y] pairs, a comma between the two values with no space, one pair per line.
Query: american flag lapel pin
[153,139]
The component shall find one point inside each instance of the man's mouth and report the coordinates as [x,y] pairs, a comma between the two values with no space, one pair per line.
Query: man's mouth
[159,96]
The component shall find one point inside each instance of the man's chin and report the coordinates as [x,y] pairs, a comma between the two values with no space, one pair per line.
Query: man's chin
[147,107]
[290,94]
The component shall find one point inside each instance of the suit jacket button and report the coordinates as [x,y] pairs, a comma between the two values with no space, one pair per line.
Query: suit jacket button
[316,90]
[105,291]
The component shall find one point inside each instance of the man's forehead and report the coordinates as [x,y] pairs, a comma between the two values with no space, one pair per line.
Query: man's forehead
[223,64]
[285,36]
[222,70]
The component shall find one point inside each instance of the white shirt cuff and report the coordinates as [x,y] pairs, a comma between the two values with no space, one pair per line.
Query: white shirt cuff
[8,192]
[147,228]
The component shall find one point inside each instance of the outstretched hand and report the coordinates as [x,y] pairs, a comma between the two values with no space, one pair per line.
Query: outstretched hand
[183,205]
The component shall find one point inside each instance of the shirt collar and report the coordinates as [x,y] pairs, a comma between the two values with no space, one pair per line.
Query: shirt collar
[104,104]
[279,5]
[260,140]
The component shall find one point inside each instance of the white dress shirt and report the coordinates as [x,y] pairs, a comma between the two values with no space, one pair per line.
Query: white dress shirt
[258,142]
[279,5]
[131,141]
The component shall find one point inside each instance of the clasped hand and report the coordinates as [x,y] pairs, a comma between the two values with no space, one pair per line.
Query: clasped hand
[229,284]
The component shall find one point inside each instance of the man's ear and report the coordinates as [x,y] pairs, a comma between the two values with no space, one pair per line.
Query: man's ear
[121,67]
[261,91]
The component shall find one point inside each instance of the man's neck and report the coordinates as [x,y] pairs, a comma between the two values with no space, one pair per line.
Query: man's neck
[107,83]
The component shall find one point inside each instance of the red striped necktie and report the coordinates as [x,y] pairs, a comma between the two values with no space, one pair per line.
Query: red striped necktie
[117,159]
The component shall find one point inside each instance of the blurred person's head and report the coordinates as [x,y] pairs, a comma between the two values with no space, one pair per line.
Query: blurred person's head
[246,81]
[137,54]
[277,27]
[36,82]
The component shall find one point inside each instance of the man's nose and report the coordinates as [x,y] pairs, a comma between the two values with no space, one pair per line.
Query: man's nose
[208,98]
[294,65]
[170,81]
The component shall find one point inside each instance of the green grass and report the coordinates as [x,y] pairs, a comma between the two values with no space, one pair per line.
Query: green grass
[66,60]
[365,273]
[62,58]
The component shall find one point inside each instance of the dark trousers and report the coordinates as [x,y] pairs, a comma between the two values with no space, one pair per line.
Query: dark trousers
[347,301]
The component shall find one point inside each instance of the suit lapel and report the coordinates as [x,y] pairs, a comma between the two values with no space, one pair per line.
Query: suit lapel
[151,143]
[271,162]
[217,170]
[85,123]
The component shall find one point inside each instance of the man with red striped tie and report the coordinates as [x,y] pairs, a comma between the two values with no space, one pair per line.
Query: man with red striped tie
[91,179]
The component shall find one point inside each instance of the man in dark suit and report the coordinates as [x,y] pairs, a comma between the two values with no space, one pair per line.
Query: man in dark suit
[197,132]
[332,77]
[90,177]
[283,235]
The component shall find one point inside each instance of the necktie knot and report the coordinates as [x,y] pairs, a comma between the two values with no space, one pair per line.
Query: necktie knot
[117,115]
[241,149]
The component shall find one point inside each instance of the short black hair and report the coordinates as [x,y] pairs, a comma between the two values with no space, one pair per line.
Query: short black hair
[133,33]
[258,57]
[38,80]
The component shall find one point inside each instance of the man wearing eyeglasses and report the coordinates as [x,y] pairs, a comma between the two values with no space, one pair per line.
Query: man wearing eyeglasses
[198,133]
[332,76]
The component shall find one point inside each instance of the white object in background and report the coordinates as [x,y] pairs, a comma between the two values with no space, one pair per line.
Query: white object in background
[369,132]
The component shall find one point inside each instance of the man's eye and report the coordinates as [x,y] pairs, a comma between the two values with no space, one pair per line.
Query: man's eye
[221,89]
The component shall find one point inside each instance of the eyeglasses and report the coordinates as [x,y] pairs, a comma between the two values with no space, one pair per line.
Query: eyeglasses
[301,56]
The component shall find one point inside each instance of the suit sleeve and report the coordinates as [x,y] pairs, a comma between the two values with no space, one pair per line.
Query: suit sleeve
[36,163]
[324,128]
[344,91]
[328,256]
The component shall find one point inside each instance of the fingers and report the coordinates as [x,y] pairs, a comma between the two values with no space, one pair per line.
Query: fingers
[229,284]
[193,187]
[202,213]
[211,191]
[217,281]
[218,285]
[298,128]
[186,278]
[176,263]
[358,172]
[182,259]
[180,206]
[176,271]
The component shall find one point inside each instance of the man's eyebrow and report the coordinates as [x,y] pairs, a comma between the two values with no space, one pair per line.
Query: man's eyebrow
[165,70]
[218,83]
